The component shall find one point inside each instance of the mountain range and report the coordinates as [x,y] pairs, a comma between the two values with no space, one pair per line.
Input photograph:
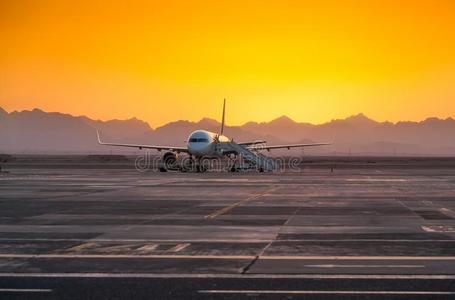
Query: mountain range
[37,131]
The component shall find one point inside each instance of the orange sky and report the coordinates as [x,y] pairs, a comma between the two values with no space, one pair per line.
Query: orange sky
[166,60]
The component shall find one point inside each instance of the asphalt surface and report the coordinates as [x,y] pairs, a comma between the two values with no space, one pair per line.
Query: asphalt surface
[361,231]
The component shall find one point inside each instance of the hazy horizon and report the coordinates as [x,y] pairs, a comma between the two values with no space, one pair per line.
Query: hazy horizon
[40,131]
[227,119]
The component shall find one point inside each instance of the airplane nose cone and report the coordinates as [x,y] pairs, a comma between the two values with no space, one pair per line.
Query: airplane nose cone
[199,143]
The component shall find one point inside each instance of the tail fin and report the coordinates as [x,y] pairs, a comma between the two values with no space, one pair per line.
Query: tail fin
[222,119]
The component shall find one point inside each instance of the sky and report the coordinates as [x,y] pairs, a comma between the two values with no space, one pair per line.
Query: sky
[161,61]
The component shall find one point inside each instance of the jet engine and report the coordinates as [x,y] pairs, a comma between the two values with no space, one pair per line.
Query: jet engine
[170,160]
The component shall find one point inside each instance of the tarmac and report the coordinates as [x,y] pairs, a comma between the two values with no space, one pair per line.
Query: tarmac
[331,229]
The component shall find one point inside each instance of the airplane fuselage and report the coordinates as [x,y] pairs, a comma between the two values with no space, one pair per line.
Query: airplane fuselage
[202,143]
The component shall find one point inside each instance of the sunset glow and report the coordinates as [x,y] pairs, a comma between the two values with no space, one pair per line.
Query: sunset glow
[166,60]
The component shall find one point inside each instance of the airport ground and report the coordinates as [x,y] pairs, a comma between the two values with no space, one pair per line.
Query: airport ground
[335,228]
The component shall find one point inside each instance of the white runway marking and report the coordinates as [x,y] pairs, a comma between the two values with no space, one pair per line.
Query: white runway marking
[367,240]
[324,292]
[224,180]
[364,266]
[438,228]
[164,256]
[25,290]
[82,247]
[274,257]
[179,247]
[149,240]
[376,180]
[357,257]
[148,247]
[225,240]
[447,212]
[234,276]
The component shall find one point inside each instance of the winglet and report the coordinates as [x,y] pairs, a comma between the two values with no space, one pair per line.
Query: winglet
[98,135]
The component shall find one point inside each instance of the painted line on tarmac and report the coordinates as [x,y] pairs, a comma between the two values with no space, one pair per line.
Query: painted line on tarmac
[274,257]
[150,240]
[179,247]
[363,266]
[148,247]
[320,292]
[25,290]
[298,257]
[232,206]
[376,180]
[448,212]
[224,240]
[234,276]
[439,228]
[366,240]
[139,256]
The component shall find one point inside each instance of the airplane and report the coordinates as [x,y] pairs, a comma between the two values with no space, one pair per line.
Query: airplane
[203,144]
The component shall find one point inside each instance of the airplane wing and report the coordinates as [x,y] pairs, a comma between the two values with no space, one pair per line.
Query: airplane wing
[252,143]
[159,148]
[291,146]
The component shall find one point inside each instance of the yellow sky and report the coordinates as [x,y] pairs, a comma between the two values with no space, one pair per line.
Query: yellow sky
[166,60]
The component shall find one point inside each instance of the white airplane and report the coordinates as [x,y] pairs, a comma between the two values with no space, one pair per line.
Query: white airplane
[203,144]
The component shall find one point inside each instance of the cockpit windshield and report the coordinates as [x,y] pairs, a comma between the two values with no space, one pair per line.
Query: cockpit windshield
[199,140]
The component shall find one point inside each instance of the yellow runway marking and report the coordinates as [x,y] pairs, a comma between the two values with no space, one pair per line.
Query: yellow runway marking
[232,206]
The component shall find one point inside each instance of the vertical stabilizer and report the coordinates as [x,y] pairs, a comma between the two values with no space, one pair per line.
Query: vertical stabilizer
[222,118]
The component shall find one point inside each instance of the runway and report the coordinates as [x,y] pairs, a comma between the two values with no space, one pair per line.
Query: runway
[363,229]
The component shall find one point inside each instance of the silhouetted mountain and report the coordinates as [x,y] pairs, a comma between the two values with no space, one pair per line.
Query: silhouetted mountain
[176,133]
[358,120]
[3,112]
[283,127]
[119,129]
[210,123]
[37,131]
[282,121]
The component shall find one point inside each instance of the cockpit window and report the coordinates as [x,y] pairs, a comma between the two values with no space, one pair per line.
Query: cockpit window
[199,140]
